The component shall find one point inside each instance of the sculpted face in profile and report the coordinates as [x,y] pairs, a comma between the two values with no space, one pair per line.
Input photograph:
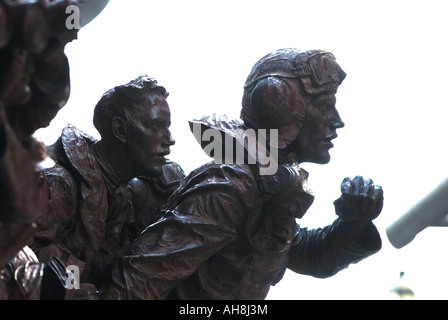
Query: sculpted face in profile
[149,127]
[315,140]
[134,122]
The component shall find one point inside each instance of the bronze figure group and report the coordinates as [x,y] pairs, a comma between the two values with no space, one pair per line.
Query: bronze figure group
[132,224]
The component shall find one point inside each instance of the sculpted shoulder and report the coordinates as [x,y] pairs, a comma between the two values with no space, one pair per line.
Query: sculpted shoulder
[239,180]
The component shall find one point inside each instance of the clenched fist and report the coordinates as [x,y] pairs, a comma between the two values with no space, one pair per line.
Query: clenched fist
[361,200]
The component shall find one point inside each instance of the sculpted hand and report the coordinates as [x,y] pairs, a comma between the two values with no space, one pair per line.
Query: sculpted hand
[361,200]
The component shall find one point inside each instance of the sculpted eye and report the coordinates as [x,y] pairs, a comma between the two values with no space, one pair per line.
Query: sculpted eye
[156,125]
[325,108]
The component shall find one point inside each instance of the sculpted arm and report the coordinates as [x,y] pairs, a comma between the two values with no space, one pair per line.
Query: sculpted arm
[203,220]
[350,238]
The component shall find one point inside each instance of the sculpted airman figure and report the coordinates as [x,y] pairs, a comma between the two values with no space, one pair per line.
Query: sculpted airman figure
[103,193]
[229,231]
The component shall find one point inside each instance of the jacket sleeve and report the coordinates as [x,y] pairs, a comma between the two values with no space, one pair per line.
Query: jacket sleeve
[200,219]
[323,252]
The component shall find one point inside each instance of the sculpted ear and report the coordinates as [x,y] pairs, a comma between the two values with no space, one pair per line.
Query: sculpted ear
[119,129]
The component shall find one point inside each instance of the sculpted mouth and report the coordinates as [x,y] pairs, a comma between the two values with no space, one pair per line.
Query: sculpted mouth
[327,140]
[163,152]
[162,155]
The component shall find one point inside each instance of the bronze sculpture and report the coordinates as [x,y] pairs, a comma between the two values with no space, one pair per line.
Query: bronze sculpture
[229,231]
[34,85]
[91,217]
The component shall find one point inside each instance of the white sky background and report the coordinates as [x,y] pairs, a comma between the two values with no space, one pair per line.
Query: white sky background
[393,103]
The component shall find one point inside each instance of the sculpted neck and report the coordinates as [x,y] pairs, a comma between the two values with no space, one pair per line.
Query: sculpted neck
[115,154]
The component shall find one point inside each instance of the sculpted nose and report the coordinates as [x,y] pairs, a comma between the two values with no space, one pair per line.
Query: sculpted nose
[172,141]
[169,140]
[337,125]
[336,122]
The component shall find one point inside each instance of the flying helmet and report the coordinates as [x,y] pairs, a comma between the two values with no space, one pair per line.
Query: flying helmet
[279,85]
